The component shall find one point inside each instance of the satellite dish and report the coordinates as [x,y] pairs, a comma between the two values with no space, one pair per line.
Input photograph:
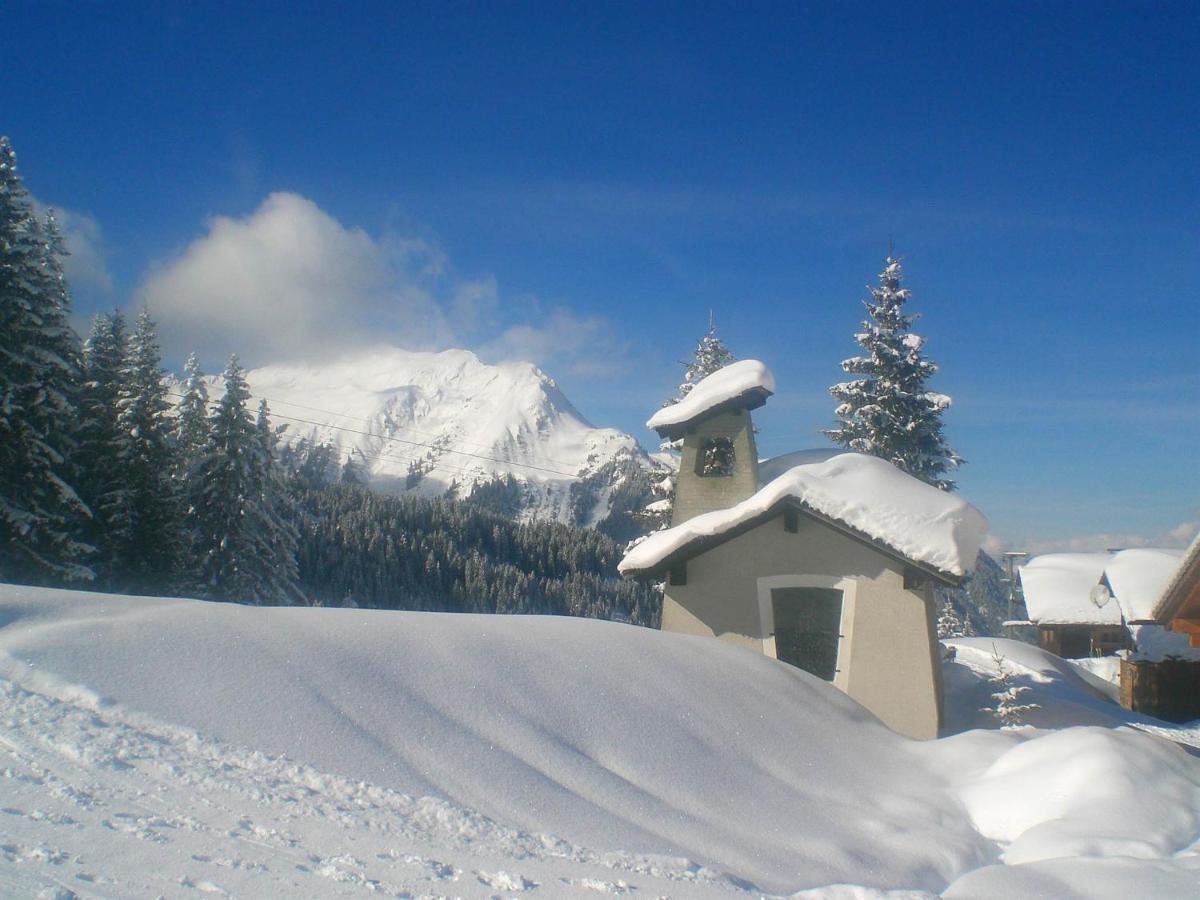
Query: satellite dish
[1100,596]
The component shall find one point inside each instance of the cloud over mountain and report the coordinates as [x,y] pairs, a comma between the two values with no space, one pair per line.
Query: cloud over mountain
[291,282]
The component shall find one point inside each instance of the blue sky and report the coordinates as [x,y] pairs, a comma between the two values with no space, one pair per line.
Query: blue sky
[580,186]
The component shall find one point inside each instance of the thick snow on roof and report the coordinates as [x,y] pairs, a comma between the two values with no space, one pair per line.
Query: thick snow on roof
[720,387]
[1138,577]
[1168,603]
[770,469]
[870,495]
[1057,588]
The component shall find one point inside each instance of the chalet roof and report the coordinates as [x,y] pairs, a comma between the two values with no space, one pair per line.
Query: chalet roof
[1058,589]
[745,384]
[861,495]
[1062,588]
[1137,578]
[1184,584]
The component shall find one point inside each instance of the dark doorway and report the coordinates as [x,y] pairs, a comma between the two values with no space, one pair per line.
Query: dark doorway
[808,628]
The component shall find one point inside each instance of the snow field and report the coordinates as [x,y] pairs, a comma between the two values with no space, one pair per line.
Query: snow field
[158,746]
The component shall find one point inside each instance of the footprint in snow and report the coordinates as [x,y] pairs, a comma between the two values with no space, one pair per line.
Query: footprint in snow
[504,881]
[596,884]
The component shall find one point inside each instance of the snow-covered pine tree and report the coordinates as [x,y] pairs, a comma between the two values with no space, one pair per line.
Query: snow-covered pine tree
[146,528]
[710,355]
[223,486]
[276,515]
[191,415]
[888,412]
[101,480]
[40,512]
[950,624]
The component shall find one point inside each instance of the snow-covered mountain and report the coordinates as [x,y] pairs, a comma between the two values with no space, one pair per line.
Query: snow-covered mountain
[433,423]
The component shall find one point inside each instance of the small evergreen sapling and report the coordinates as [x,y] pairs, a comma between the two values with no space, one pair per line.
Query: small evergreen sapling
[888,411]
[1007,706]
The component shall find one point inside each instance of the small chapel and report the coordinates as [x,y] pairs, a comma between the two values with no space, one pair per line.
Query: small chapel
[825,560]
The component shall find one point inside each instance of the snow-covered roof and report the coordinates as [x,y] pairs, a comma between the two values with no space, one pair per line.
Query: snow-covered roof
[1058,589]
[1137,578]
[1182,584]
[770,469]
[868,495]
[745,384]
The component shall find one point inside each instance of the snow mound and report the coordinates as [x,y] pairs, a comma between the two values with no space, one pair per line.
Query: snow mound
[528,739]
[152,746]
[1085,792]
[871,495]
[747,377]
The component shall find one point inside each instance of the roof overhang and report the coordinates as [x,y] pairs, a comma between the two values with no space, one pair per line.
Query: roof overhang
[1179,606]
[752,398]
[703,543]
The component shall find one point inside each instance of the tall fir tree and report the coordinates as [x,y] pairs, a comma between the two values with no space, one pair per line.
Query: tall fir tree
[222,486]
[101,480]
[147,526]
[41,513]
[275,519]
[191,416]
[889,412]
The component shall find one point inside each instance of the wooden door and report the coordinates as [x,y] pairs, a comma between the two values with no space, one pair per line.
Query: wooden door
[808,628]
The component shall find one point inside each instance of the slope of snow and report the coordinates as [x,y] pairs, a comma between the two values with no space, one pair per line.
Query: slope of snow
[720,387]
[458,419]
[869,494]
[158,746]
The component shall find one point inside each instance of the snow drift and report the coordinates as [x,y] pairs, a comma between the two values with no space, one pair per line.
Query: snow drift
[162,745]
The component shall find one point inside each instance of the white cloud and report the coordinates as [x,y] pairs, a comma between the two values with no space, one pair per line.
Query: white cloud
[289,281]
[563,342]
[1179,536]
[86,265]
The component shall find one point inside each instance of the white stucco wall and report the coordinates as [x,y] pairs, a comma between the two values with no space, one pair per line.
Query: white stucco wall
[887,657]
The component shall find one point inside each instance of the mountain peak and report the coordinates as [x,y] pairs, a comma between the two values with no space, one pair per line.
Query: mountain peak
[435,422]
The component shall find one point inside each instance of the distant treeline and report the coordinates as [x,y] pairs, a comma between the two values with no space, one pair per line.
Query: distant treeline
[365,549]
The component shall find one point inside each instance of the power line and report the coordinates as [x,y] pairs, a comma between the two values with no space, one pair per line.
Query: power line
[482,456]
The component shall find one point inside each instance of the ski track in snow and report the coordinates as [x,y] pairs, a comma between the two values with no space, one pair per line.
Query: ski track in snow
[90,794]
